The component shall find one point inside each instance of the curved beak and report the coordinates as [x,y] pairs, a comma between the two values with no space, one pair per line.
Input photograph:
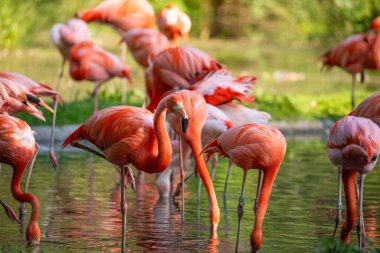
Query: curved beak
[185,124]
[184,118]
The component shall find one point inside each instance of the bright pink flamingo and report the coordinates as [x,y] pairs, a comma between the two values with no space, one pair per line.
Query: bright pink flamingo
[174,23]
[18,148]
[142,139]
[177,68]
[26,85]
[66,35]
[253,146]
[369,108]
[123,15]
[145,44]
[88,62]
[355,54]
[353,146]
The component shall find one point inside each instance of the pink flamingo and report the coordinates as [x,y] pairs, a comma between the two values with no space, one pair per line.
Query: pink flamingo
[252,146]
[17,138]
[353,146]
[88,62]
[174,23]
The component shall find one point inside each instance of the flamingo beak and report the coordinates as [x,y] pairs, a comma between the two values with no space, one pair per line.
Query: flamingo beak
[183,116]
[185,124]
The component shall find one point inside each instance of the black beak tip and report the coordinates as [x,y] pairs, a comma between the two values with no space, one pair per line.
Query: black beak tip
[185,124]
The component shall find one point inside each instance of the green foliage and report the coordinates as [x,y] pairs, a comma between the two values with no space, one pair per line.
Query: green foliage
[328,245]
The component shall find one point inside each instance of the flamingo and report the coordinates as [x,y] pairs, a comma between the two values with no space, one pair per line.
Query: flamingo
[177,68]
[174,23]
[88,62]
[17,138]
[355,54]
[123,15]
[145,44]
[143,140]
[66,35]
[369,108]
[353,146]
[252,146]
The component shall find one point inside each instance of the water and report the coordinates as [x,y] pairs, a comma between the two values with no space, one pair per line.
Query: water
[80,207]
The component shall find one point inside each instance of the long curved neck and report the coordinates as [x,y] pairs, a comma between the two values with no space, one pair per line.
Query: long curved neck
[349,181]
[266,189]
[164,146]
[26,197]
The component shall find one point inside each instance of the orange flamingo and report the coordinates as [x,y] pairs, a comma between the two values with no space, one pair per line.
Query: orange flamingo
[369,108]
[88,62]
[174,23]
[355,54]
[353,146]
[177,68]
[27,85]
[145,44]
[66,35]
[17,138]
[252,146]
[142,139]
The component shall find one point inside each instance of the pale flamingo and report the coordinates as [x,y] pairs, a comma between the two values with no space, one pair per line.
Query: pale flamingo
[355,54]
[88,62]
[144,141]
[174,23]
[353,146]
[252,146]
[66,35]
[17,138]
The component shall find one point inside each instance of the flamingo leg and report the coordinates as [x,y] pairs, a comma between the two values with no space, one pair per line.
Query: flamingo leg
[95,94]
[22,208]
[227,179]
[123,80]
[182,178]
[123,208]
[53,157]
[353,92]
[60,75]
[240,210]
[84,147]
[9,212]
[199,199]
[213,166]
[338,218]
[259,184]
[360,227]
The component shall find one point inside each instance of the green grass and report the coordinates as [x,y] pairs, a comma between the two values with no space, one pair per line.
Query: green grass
[335,246]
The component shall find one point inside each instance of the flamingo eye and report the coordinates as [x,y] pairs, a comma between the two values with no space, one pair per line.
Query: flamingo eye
[374,157]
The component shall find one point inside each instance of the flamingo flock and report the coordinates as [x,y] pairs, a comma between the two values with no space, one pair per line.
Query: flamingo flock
[201,101]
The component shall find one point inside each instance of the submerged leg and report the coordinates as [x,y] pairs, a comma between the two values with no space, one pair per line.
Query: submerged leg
[53,157]
[338,218]
[123,208]
[240,210]
[22,209]
[227,179]
[259,184]
[182,178]
[361,229]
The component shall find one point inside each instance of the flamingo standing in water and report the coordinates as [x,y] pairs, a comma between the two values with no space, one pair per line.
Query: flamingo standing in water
[143,141]
[353,146]
[88,62]
[123,15]
[18,148]
[66,35]
[174,23]
[252,146]
[355,54]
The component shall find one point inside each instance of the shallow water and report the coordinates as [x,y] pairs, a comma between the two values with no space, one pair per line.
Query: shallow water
[80,203]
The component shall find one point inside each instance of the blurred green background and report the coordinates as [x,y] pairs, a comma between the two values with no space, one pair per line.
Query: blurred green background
[279,41]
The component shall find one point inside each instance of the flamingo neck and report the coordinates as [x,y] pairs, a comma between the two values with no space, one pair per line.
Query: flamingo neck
[33,230]
[164,146]
[349,182]
[266,189]
[196,148]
